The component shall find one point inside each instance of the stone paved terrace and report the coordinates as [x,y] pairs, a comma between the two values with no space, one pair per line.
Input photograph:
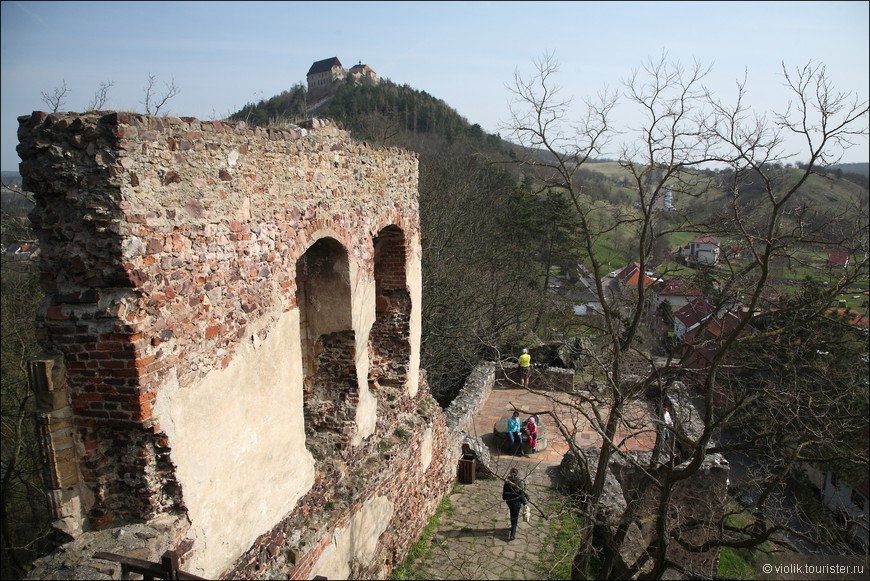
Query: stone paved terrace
[471,543]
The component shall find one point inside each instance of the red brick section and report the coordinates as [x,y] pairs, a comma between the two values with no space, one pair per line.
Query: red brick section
[389,338]
[331,396]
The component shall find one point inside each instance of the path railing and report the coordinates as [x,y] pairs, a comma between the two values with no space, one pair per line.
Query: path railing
[167,568]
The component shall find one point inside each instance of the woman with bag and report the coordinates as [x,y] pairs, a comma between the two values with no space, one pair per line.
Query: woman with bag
[514,494]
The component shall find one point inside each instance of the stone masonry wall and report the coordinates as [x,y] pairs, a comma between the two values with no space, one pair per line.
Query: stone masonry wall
[170,248]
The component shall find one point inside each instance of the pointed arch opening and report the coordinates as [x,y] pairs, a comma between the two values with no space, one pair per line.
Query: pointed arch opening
[390,348]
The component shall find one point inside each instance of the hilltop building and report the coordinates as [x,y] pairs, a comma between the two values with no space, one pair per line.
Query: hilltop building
[326,75]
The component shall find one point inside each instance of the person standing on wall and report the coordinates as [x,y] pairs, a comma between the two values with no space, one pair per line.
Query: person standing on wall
[525,361]
[514,494]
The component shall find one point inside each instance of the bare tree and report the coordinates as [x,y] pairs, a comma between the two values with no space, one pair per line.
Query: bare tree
[24,515]
[57,98]
[753,398]
[477,288]
[101,96]
[154,101]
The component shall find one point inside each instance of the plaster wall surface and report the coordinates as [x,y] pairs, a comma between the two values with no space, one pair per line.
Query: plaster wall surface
[363,308]
[357,542]
[415,276]
[238,478]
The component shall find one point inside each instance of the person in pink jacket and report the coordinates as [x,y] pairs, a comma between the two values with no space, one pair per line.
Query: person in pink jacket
[532,429]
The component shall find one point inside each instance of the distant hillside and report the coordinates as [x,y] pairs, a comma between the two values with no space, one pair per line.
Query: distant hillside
[15,202]
[10,178]
[853,168]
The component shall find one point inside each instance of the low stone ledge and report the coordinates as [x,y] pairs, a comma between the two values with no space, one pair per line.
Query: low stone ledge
[476,390]
[499,430]
[75,560]
[460,414]
[542,378]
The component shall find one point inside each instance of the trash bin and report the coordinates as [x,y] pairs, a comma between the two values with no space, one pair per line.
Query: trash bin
[467,469]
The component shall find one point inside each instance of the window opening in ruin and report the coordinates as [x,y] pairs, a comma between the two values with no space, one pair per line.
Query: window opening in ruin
[330,388]
[389,340]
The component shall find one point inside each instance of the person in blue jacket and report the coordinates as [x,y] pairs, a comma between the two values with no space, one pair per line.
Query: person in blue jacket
[515,434]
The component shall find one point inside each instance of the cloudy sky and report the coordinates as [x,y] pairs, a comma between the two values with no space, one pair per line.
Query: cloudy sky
[223,55]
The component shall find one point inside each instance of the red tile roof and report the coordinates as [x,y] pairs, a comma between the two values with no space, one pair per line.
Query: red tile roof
[838,258]
[714,328]
[630,275]
[854,318]
[705,239]
[677,287]
[693,313]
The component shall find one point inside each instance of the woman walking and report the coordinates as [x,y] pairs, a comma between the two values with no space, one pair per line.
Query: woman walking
[514,494]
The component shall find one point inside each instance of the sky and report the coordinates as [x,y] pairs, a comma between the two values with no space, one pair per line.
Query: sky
[223,55]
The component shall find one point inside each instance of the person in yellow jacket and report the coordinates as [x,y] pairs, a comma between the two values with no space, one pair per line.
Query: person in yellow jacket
[525,367]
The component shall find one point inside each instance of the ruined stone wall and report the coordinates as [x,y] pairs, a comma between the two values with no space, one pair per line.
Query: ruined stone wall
[542,378]
[171,248]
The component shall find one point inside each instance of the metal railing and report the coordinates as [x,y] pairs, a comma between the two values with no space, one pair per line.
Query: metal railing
[167,568]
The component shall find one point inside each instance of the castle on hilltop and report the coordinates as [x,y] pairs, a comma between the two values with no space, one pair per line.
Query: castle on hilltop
[325,76]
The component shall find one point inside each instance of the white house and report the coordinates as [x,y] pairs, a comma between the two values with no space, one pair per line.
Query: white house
[702,250]
[846,501]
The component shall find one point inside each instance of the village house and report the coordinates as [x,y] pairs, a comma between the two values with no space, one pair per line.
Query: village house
[713,329]
[632,277]
[626,282]
[703,250]
[691,316]
[676,291]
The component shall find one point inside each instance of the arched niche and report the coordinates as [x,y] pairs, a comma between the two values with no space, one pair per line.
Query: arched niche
[330,387]
[390,335]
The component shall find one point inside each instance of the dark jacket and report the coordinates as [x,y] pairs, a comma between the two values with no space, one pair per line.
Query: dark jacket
[514,493]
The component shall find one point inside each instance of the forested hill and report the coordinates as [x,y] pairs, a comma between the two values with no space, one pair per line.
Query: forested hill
[375,113]
[862,169]
[409,110]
